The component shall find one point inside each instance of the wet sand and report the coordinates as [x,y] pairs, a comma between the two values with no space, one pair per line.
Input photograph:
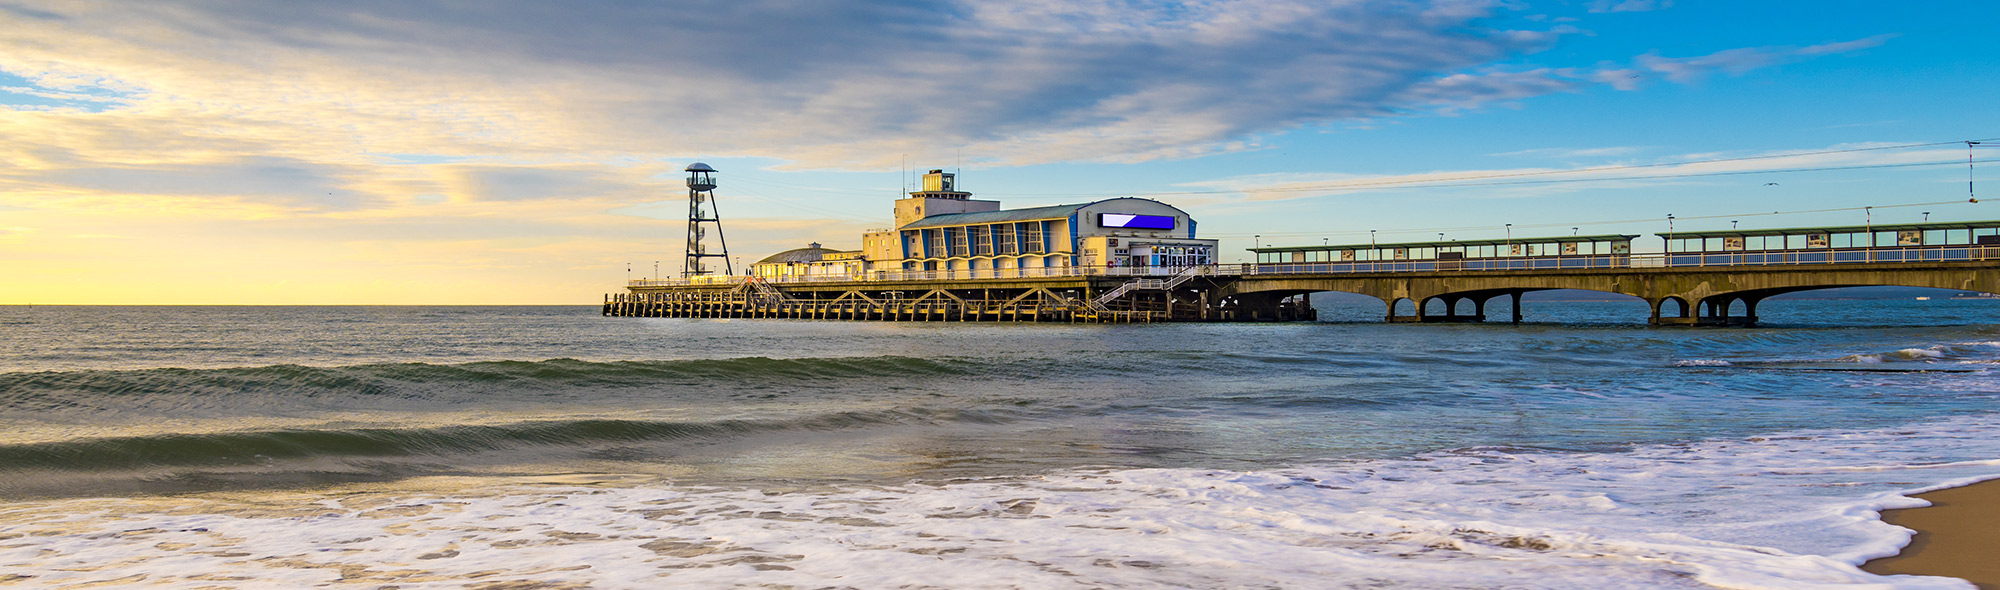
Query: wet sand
[1958,535]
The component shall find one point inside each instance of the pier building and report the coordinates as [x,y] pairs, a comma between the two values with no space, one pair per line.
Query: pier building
[941,229]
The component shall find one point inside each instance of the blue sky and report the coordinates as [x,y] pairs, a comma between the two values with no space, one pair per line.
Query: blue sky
[380,152]
[1925,76]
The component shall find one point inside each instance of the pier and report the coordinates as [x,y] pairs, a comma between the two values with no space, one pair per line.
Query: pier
[1128,260]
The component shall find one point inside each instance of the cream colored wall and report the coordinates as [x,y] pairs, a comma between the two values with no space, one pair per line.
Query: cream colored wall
[881,246]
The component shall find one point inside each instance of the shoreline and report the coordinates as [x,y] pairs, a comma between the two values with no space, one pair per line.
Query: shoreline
[1955,536]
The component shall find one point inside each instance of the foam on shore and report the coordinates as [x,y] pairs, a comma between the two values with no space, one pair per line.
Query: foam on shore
[1778,512]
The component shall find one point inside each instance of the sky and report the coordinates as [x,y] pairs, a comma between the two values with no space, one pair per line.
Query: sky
[517,152]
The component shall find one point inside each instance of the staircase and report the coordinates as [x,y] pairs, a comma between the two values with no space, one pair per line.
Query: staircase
[765,292]
[1148,284]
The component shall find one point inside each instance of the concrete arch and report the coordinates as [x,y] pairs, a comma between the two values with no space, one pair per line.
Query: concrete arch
[1681,308]
[1403,307]
[1438,306]
[1692,286]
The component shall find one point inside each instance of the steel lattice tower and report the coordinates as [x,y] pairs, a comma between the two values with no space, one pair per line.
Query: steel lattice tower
[701,210]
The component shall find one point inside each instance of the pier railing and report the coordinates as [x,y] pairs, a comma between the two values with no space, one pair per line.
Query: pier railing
[1553,263]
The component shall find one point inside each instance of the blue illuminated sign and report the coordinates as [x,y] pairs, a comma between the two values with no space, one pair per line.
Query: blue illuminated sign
[1130,221]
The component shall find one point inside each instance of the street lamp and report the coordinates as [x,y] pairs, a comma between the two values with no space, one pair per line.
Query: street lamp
[1927,217]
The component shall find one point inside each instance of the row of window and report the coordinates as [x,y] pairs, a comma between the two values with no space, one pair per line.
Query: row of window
[1431,253]
[1002,239]
[1935,237]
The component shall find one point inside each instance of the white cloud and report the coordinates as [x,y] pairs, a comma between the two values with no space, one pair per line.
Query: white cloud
[840,85]
[851,84]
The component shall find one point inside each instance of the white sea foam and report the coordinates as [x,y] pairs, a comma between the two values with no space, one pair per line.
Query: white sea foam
[1702,363]
[1788,512]
[1907,354]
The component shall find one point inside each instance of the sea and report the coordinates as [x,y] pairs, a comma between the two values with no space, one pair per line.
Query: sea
[549,447]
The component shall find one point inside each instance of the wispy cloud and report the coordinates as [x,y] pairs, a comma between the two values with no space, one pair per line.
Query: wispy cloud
[1571,153]
[1630,5]
[1536,181]
[1739,61]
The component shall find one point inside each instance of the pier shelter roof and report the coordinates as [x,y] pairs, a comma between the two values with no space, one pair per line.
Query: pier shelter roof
[1895,235]
[813,253]
[1842,229]
[1449,244]
[1002,216]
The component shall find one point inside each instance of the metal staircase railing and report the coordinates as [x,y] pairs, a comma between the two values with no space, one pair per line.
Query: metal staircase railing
[770,295]
[1148,284]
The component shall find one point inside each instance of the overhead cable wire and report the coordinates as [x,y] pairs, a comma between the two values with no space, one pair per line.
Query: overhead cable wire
[1595,223]
[1459,182]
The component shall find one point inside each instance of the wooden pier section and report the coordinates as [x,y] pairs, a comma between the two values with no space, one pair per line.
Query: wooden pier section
[1069,299]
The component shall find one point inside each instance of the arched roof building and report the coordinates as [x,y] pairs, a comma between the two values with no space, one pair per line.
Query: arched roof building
[942,228]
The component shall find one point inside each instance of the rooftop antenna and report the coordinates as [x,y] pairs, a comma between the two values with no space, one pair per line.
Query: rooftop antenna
[701,214]
[1969,195]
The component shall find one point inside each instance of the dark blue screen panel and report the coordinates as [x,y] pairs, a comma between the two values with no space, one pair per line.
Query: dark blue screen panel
[1127,220]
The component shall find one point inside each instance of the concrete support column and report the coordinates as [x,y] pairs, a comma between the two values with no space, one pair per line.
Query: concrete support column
[1517,306]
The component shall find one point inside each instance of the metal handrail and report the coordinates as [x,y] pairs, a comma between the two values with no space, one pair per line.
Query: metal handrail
[1175,275]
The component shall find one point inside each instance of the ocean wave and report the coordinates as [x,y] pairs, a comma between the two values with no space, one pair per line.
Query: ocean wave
[1930,353]
[1703,363]
[71,389]
[273,446]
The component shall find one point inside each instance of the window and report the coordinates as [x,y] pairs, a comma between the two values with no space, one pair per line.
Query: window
[1003,236]
[982,240]
[937,243]
[1033,237]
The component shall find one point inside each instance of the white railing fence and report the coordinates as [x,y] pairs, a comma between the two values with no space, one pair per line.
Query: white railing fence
[1161,277]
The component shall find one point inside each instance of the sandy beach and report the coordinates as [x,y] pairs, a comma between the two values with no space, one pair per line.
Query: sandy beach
[1957,536]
